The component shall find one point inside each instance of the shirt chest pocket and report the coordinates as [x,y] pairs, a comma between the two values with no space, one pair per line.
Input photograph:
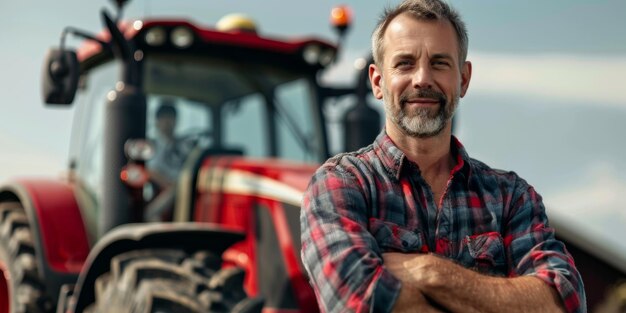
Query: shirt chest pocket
[485,253]
[394,238]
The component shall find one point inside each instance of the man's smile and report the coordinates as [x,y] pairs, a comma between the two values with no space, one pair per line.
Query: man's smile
[422,102]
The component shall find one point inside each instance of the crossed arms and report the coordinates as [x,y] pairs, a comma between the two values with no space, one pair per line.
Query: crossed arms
[434,284]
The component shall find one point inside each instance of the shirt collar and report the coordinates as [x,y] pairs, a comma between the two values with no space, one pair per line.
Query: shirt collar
[394,159]
[462,159]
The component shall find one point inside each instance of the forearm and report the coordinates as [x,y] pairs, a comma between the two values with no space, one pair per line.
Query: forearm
[412,299]
[458,289]
[464,290]
[342,286]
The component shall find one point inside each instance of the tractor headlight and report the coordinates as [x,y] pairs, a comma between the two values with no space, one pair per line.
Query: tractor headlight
[155,36]
[326,57]
[315,54]
[311,54]
[181,37]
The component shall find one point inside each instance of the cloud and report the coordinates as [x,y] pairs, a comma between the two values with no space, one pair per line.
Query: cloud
[563,78]
[600,193]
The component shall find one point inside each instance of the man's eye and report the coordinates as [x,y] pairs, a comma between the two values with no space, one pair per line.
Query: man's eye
[402,64]
[441,64]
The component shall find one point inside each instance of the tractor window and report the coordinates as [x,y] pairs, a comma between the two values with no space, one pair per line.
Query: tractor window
[192,117]
[262,110]
[88,142]
[296,134]
[243,125]
[175,126]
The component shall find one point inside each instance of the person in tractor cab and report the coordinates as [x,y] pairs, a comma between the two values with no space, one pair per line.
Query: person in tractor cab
[411,222]
[170,153]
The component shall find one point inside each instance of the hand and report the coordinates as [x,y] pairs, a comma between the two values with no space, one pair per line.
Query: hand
[422,271]
[413,270]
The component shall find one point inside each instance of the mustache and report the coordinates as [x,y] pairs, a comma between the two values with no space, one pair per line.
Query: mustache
[424,93]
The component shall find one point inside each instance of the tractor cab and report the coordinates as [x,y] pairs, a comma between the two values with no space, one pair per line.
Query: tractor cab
[228,90]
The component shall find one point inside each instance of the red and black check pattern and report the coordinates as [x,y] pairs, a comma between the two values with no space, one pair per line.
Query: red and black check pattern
[361,204]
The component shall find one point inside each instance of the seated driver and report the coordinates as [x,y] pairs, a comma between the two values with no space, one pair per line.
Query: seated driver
[170,153]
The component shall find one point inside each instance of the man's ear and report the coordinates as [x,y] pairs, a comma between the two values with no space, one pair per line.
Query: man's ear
[375,79]
[466,75]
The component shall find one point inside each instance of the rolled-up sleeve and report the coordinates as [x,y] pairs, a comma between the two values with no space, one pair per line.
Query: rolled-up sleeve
[533,250]
[341,257]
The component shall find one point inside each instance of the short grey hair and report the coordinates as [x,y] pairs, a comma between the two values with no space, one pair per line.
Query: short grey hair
[421,10]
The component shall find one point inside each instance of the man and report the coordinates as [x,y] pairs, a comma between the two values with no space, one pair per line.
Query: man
[412,223]
[170,152]
[169,156]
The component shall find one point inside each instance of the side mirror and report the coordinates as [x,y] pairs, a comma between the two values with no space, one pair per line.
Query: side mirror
[60,76]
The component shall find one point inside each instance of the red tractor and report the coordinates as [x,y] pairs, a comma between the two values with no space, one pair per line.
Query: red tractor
[226,236]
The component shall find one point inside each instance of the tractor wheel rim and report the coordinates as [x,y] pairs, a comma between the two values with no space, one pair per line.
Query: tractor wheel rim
[5,297]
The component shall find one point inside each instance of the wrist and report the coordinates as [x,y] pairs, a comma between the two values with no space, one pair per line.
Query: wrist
[440,274]
[446,277]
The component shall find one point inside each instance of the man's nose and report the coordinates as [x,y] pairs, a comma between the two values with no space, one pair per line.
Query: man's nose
[423,78]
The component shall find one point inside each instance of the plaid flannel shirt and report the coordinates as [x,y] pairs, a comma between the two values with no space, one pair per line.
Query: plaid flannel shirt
[359,205]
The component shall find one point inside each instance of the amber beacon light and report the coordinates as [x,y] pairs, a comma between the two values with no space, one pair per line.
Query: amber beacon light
[341,18]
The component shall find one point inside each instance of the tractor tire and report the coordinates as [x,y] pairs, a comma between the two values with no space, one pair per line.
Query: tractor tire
[170,281]
[20,284]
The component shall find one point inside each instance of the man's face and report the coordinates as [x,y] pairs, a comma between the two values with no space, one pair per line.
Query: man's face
[166,124]
[420,80]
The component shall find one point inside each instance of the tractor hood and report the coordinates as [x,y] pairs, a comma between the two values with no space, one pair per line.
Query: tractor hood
[272,179]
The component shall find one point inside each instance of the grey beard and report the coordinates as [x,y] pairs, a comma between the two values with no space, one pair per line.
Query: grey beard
[422,125]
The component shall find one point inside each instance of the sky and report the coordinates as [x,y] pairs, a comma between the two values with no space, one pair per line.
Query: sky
[546,97]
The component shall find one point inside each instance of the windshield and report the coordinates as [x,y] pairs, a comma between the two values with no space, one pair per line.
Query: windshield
[257,110]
